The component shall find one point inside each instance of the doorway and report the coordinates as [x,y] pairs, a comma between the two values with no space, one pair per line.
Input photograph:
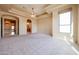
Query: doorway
[29,26]
[9,27]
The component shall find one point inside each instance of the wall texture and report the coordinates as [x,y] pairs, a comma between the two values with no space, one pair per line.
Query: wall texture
[45,24]
[22,23]
[78,24]
[34,25]
[55,23]
[22,26]
[50,25]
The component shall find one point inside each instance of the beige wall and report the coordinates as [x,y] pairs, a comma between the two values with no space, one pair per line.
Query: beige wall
[34,25]
[22,23]
[78,24]
[45,24]
[49,25]
[55,23]
[22,26]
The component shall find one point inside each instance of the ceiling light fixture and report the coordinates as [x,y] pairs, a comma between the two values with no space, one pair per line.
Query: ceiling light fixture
[33,15]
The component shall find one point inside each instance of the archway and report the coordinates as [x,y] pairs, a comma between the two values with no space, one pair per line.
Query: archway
[9,25]
[29,26]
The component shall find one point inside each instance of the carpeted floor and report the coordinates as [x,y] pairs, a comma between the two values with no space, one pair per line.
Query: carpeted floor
[34,44]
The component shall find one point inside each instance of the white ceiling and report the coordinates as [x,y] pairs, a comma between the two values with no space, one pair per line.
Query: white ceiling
[38,8]
[26,9]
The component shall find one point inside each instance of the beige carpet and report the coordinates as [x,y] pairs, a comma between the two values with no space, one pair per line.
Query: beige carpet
[34,44]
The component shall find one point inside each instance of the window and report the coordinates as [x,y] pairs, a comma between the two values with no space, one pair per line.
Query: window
[65,22]
[12,30]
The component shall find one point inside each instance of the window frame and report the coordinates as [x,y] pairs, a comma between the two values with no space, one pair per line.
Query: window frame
[62,12]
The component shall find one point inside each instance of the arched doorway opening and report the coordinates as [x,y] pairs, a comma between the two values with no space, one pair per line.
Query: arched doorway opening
[29,26]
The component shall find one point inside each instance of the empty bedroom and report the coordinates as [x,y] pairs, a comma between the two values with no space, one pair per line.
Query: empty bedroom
[39,29]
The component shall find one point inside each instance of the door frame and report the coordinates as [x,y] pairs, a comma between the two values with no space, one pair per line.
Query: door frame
[2,24]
